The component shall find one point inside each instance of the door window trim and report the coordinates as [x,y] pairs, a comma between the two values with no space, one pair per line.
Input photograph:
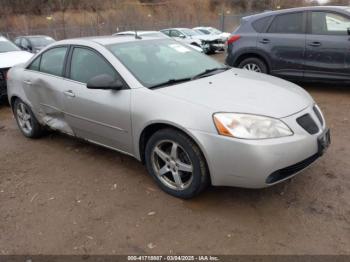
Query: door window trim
[304,21]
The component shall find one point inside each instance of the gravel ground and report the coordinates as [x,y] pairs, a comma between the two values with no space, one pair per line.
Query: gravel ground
[59,195]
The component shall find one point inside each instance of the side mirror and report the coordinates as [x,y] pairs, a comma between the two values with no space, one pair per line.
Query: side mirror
[182,36]
[105,82]
[348,30]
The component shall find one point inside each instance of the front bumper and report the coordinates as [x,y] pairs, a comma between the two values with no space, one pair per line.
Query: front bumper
[250,163]
[218,47]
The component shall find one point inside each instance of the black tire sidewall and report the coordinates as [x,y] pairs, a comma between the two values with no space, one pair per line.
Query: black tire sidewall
[253,60]
[200,174]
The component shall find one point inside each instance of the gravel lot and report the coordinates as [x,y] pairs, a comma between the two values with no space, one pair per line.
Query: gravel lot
[59,195]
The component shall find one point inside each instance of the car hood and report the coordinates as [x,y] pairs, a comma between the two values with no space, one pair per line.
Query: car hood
[10,59]
[241,91]
[207,37]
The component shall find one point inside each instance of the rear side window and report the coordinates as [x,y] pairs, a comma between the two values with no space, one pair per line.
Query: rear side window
[261,24]
[288,24]
[167,32]
[52,61]
[86,64]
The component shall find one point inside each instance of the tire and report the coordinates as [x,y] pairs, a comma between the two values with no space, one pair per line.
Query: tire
[176,178]
[254,64]
[26,121]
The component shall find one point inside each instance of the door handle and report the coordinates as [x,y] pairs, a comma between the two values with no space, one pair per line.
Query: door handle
[265,41]
[69,93]
[315,44]
[28,82]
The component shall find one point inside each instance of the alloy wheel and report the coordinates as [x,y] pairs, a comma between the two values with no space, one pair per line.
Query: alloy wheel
[24,118]
[252,67]
[172,165]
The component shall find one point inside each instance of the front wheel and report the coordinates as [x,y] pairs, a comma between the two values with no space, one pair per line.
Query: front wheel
[27,123]
[176,163]
[253,64]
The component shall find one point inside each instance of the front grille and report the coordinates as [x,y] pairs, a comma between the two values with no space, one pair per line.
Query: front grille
[319,115]
[3,89]
[219,41]
[291,170]
[308,124]
[2,76]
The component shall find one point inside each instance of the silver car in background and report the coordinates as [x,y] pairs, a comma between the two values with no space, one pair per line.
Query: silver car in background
[191,120]
[157,34]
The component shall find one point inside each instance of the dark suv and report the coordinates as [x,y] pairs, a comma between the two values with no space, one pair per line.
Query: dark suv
[309,43]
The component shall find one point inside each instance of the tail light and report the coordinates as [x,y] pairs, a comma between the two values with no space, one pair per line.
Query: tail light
[233,39]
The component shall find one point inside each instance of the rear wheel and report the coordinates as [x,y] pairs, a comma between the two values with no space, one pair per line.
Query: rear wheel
[253,64]
[176,163]
[26,120]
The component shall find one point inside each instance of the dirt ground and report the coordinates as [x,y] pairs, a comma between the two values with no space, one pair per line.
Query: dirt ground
[59,195]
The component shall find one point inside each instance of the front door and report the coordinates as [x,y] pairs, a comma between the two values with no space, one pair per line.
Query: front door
[328,46]
[100,116]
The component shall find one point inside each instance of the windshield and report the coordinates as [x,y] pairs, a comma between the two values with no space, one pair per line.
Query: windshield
[189,32]
[41,41]
[204,31]
[7,46]
[154,62]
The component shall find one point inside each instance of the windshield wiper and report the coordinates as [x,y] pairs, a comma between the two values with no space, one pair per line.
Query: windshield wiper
[209,72]
[170,82]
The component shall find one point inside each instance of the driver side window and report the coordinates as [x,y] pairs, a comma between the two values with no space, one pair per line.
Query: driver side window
[324,23]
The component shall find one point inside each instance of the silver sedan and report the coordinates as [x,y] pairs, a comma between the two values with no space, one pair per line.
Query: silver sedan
[191,120]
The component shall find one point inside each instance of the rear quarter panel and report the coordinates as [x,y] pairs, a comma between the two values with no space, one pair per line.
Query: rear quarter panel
[247,43]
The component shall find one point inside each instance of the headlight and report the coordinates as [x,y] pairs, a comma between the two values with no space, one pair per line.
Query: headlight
[247,126]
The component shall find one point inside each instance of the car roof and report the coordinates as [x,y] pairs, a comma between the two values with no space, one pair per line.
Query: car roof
[297,9]
[176,28]
[138,31]
[106,40]
[33,36]
[202,27]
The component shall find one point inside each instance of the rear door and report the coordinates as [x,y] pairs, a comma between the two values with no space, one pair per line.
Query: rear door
[100,116]
[327,46]
[43,84]
[284,43]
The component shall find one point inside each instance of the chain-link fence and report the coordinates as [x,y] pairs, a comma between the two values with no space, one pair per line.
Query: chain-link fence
[225,23]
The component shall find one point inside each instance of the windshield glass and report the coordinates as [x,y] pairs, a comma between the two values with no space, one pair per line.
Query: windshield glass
[41,41]
[154,62]
[204,31]
[189,32]
[7,46]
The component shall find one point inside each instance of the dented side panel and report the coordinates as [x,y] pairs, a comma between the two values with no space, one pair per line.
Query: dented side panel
[46,95]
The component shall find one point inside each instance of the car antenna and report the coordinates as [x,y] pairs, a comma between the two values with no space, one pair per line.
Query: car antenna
[137,36]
